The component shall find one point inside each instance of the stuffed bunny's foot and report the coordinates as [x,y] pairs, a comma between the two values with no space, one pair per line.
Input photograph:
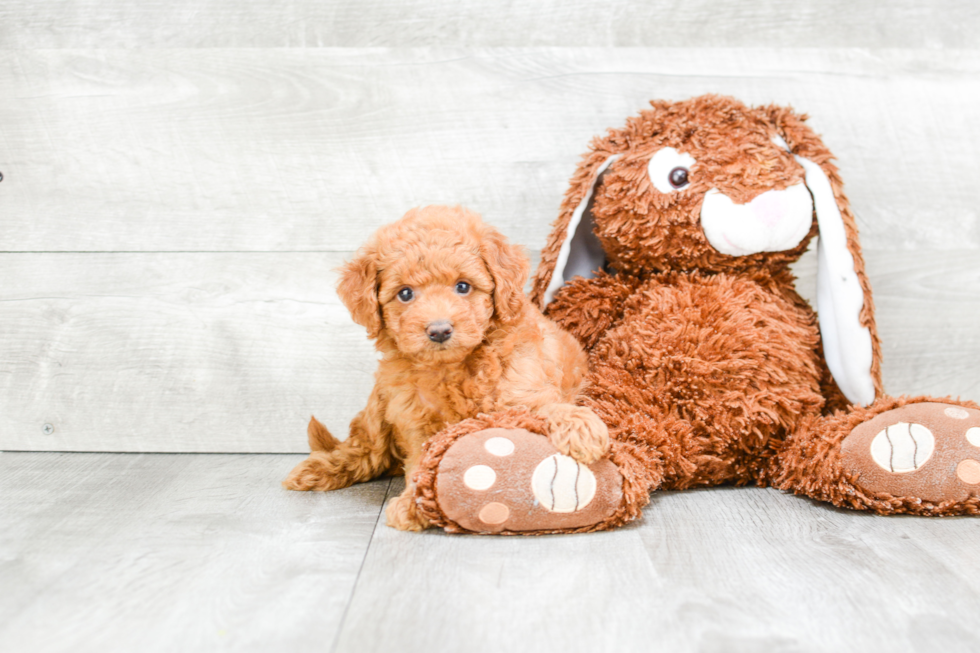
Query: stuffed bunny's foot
[928,451]
[515,481]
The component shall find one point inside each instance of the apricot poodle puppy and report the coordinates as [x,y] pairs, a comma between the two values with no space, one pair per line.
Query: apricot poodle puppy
[441,294]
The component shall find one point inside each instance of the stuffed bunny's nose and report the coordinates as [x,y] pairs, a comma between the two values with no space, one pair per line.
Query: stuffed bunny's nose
[769,208]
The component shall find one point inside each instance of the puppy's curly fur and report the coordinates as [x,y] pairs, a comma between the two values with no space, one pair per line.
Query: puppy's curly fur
[441,294]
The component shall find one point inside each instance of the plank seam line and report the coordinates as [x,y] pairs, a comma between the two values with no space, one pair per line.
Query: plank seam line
[357,578]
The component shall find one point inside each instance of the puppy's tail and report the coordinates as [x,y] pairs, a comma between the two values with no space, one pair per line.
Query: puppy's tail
[319,437]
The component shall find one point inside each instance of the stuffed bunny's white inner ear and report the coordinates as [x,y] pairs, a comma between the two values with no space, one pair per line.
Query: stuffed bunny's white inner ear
[581,252]
[840,297]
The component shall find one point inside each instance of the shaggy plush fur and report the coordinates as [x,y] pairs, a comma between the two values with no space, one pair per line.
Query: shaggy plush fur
[441,294]
[709,368]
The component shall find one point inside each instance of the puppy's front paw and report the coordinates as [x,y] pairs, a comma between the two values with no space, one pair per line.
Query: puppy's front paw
[577,432]
[402,513]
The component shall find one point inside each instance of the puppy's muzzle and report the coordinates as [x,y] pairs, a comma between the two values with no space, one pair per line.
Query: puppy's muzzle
[439,331]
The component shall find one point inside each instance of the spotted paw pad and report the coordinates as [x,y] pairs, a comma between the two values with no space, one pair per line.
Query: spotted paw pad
[512,480]
[928,451]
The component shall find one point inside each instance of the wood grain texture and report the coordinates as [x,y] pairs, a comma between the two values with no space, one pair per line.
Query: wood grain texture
[180,178]
[104,553]
[117,552]
[228,352]
[927,308]
[176,352]
[774,572]
[720,570]
[301,23]
[311,149]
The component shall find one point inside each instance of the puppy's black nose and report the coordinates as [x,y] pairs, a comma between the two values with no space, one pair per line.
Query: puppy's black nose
[439,331]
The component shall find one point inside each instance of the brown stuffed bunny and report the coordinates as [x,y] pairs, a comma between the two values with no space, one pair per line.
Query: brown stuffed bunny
[670,263]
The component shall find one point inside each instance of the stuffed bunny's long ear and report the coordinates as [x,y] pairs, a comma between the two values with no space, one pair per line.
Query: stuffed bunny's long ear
[847,343]
[845,307]
[581,252]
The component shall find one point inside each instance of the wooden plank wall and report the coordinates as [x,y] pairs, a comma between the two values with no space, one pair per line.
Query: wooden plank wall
[180,181]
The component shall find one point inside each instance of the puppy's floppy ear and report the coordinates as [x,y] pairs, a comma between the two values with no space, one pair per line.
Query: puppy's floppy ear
[358,289]
[844,303]
[573,249]
[509,268]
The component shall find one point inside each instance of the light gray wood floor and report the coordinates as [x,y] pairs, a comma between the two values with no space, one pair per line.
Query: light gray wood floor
[194,552]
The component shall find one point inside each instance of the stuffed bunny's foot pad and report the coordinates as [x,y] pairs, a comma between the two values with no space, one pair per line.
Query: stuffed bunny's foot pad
[928,450]
[514,481]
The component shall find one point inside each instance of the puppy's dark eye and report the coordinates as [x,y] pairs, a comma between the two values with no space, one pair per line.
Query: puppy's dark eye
[405,295]
[462,288]
[678,177]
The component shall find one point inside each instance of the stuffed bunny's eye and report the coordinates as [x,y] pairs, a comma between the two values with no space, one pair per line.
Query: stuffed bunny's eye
[670,170]
[678,177]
